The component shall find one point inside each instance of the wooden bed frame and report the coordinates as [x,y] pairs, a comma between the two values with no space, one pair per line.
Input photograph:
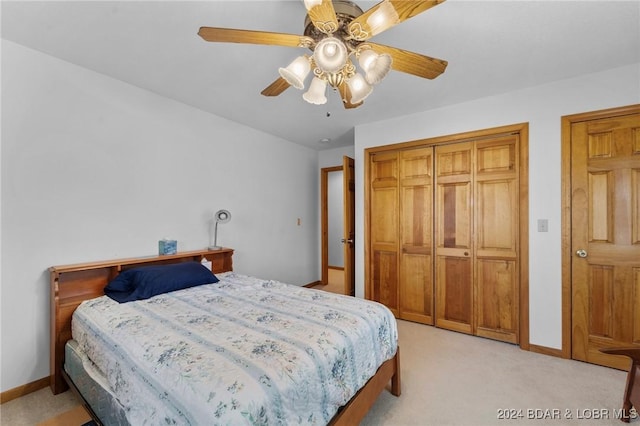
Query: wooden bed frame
[72,284]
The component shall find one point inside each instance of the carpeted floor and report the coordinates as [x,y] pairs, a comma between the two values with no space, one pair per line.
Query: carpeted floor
[38,407]
[450,378]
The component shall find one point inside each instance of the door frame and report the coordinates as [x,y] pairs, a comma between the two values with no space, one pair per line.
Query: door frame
[324,221]
[567,252]
[522,129]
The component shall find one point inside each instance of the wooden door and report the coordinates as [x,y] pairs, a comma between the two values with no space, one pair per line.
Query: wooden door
[349,203]
[384,230]
[454,239]
[496,202]
[477,237]
[416,235]
[605,237]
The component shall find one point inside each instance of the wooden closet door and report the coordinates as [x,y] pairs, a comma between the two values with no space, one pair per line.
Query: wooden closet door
[384,229]
[496,239]
[416,235]
[454,240]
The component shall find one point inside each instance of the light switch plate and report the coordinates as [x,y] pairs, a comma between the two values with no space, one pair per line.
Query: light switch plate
[543,225]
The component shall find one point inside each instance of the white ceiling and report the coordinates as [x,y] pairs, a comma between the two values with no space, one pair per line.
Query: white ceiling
[492,47]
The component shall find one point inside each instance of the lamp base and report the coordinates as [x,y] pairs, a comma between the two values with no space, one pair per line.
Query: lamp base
[215,248]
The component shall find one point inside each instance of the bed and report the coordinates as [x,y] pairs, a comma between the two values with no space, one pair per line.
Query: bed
[272,353]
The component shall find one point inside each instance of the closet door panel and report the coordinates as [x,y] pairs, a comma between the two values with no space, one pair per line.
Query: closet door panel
[416,294]
[454,241]
[454,218]
[497,307]
[385,279]
[416,235]
[454,303]
[496,214]
[384,218]
[497,198]
[384,229]
[497,227]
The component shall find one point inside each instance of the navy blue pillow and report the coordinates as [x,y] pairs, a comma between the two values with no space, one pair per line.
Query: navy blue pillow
[148,281]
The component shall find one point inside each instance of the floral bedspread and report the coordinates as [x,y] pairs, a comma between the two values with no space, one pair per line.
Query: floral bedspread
[241,351]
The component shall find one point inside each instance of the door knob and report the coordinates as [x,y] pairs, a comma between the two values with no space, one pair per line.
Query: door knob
[581,253]
[350,240]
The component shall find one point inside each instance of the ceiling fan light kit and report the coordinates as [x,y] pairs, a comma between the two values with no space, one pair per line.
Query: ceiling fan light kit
[296,71]
[375,66]
[330,55]
[335,31]
[316,93]
[359,88]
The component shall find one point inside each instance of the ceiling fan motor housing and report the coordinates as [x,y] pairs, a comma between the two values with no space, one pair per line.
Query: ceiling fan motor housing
[346,12]
[331,51]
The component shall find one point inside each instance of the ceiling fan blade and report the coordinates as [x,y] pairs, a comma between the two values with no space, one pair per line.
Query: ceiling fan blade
[385,15]
[323,15]
[275,88]
[230,35]
[410,62]
[345,94]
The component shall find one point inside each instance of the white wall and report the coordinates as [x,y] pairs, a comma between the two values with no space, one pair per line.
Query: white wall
[94,169]
[333,157]
[542,107]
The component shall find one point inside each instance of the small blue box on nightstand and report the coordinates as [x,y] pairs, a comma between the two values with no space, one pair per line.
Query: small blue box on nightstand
[167,247]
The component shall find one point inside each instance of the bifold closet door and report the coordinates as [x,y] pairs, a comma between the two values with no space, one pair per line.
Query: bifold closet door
[401,232]
[477,281]
[454,239]
[496,204]
[384,229]
[416,235]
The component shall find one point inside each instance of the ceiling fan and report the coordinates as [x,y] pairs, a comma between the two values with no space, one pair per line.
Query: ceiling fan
[336,32]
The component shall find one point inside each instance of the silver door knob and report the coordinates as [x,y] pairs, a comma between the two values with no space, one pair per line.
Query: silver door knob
[350,241]
[581,253]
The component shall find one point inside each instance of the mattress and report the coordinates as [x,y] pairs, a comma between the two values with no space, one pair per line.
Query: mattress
[242,351]
[92,386]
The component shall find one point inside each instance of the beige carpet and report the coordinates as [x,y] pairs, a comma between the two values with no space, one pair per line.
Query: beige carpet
[450,378]
[37,407]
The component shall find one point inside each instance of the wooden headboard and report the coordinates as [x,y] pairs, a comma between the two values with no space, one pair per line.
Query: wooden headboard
[72,284]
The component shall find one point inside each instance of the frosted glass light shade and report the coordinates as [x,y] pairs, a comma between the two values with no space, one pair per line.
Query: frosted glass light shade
[296,71]
[383,18]
[330,55]
[359,88]
[310,4]
[315,94]
[376,66]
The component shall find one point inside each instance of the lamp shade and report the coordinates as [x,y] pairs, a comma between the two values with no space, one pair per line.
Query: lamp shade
[296,71]
[330,55]
[315,94]
[223,216]
[359,88]
[376,66]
